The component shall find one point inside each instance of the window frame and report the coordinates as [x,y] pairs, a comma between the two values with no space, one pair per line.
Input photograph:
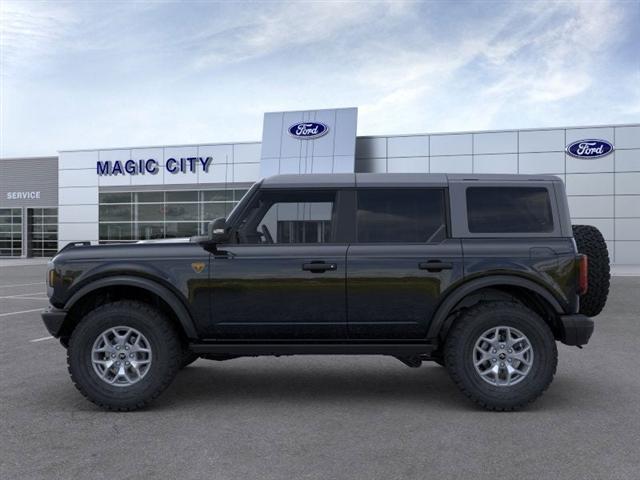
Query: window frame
[445,205]
[339,218]
[459,214]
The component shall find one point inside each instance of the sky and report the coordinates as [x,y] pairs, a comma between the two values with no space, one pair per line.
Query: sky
[96,74]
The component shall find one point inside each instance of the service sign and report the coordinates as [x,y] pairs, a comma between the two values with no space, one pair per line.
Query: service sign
[23,195]
[589,149]
[308,130]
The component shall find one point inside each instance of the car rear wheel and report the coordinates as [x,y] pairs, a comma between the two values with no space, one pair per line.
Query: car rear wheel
[123,354]
[501,355]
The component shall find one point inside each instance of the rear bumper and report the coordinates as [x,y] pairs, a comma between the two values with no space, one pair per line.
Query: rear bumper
[54,319]
[576,329]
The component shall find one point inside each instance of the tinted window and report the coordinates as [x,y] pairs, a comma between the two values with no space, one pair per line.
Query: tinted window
[509,210]
[289,218]
[400,216]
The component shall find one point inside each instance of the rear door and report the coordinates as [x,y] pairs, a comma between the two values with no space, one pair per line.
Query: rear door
[401,262]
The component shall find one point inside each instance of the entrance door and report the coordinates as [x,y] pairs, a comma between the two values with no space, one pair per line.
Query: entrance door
[285,278]
[42,232]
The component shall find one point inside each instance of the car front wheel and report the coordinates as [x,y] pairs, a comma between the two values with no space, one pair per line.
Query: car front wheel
[123,354]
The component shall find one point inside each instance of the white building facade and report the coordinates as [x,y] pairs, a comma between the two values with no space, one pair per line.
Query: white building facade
[127,194]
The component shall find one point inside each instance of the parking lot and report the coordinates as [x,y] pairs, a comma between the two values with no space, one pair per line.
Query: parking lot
[317,417]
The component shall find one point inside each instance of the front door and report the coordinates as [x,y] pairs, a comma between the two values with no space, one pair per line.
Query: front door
[284,278]
[401,263]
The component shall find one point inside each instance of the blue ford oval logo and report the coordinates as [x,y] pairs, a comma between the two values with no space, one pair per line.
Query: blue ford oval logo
[590,148]
[308,130]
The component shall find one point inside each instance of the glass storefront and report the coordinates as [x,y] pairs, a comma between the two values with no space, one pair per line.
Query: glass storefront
[132,216]
[42,231]
[10,232]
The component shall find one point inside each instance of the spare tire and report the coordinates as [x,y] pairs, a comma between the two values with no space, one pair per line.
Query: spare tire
[591,243]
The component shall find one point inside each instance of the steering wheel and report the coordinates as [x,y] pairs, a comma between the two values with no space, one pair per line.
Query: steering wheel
[266,233]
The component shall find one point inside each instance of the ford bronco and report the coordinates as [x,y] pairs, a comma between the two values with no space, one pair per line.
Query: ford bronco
[482,274]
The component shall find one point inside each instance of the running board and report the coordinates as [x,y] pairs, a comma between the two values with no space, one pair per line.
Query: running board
[255,349]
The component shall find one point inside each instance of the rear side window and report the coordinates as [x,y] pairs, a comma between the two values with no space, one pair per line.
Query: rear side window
[400,216]
[509,210]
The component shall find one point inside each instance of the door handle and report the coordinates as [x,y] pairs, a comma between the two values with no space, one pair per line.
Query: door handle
[318,267]
[435,266]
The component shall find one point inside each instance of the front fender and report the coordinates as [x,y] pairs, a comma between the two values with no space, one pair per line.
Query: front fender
[175,303]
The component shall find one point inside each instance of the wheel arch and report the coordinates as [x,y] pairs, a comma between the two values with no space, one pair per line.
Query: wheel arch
[495,287]
[128,287]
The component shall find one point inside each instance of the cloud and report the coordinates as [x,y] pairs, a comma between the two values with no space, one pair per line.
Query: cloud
[30,30]
[534,56]
[299,28]
[80,74]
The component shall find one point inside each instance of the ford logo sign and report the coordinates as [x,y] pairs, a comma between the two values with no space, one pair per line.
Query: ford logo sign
[590,148]
[308,130]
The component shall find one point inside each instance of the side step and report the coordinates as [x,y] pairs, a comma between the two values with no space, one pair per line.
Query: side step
[255,349]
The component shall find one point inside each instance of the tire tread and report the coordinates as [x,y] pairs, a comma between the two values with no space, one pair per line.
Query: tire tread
[590,242]
[452,360]
[167,330]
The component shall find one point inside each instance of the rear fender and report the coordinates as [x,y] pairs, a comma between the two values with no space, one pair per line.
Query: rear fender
[441,319]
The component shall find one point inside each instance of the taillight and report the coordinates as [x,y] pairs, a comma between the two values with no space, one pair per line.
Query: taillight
[583,274]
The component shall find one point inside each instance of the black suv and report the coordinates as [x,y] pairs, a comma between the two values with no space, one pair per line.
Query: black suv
[481,274]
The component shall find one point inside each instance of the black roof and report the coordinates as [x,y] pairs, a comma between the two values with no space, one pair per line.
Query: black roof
[333,180]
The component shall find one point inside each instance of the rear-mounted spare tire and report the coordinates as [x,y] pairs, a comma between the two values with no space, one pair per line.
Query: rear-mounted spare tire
[590,242]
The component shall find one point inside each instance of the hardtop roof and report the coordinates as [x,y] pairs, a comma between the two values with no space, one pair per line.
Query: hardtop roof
[342,180]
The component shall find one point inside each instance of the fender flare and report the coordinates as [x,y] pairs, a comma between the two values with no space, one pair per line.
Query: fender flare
[174,302]
[447,305]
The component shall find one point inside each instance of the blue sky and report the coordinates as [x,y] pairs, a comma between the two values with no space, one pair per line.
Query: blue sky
[100,74]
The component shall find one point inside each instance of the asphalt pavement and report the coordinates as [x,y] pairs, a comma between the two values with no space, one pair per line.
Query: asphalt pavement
[317,417]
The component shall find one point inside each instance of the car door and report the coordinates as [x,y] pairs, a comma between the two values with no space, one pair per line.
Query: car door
[285,276]
[401,263]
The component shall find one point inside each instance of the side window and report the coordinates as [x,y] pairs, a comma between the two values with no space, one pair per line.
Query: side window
[281,217]
[401,215]
[509,210]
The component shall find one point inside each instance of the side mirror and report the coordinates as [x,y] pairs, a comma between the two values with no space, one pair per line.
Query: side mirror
[219,230]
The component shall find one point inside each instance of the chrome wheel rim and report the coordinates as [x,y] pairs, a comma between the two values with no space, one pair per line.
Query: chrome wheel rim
[121,356]
[503,356]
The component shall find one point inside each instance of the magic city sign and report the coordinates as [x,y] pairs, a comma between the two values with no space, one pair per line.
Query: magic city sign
[589,148]
[151,166]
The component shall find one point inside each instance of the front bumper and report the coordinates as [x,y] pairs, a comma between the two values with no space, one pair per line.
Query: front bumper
[576,329]
[53,319]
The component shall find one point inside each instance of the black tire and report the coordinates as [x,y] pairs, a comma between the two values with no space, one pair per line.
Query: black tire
[165,347]
[590,242]
[188,357]
[460,344]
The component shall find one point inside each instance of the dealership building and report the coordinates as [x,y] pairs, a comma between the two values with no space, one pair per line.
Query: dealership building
[134,193]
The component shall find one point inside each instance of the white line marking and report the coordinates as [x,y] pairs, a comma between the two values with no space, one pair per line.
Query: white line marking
[24,297]
[23,311]
[18,297]
[21,285]
[41,339]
